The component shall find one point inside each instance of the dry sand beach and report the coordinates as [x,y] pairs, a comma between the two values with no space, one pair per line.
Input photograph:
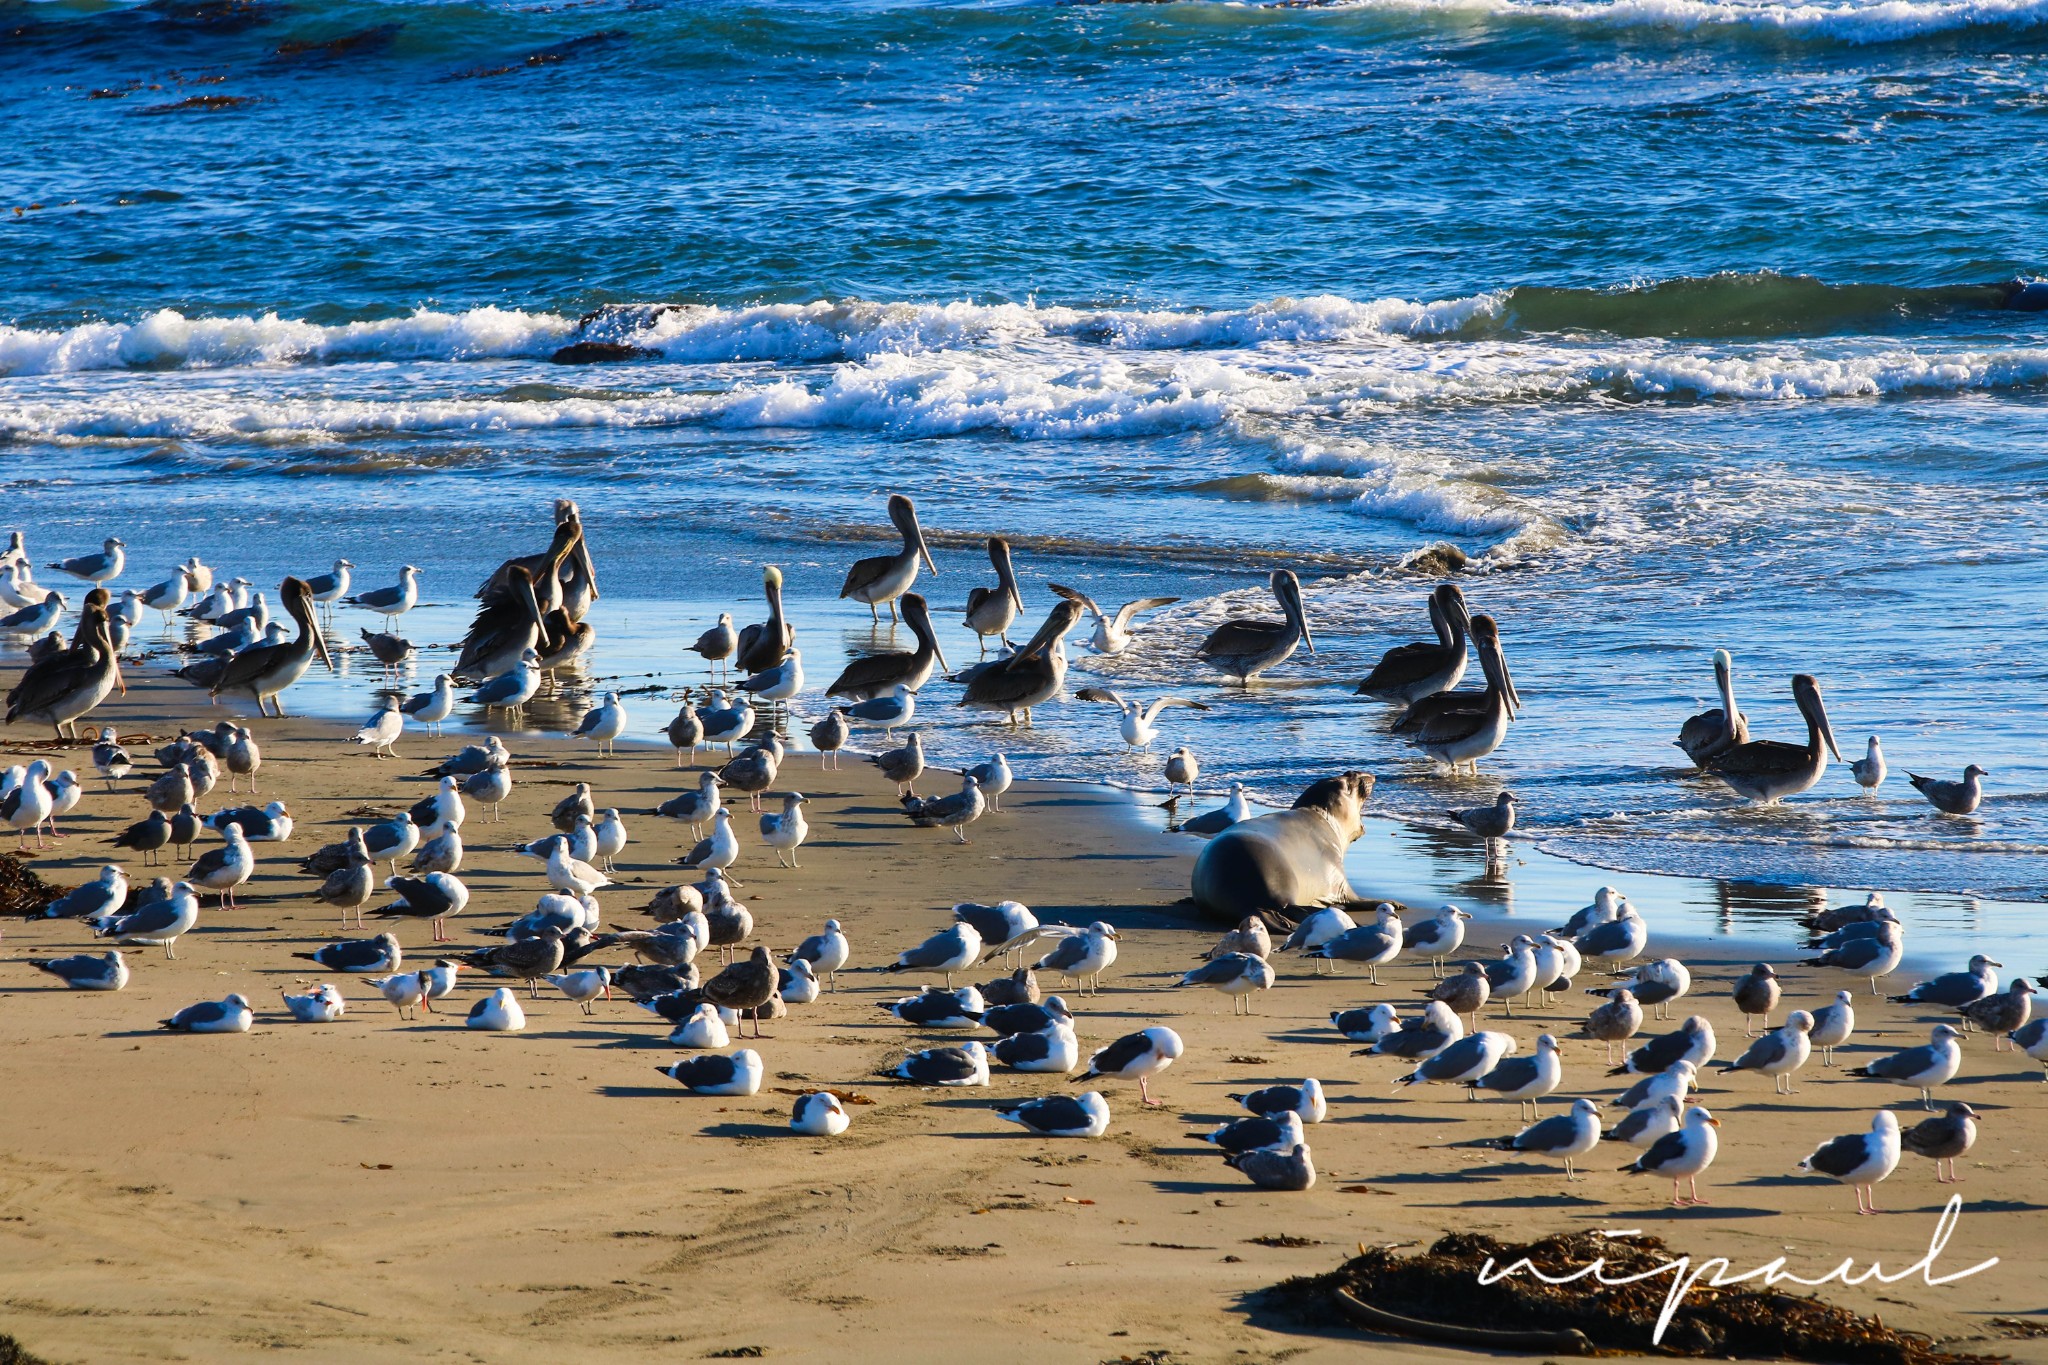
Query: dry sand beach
[383,1190]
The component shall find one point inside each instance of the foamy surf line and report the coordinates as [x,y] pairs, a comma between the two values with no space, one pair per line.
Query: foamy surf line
[1887,22]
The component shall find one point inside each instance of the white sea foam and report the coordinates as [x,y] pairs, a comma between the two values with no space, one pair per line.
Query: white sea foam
[1883,21]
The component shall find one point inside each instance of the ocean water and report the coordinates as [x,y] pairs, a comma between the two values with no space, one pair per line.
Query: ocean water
[1694,325]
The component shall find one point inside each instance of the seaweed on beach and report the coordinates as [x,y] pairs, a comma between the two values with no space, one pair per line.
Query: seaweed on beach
[13,1352]
[22,892]
[1441,1287]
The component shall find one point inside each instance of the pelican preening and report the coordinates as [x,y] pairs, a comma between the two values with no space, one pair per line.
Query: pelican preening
[1713,733]
[1245,648]
[1768,770]
[884,578]
[1408,673]
[1113,633]
[990,611]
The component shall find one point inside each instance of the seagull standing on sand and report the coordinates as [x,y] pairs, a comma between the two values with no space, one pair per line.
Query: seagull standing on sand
[954,948]
[1525,1080]
[1923,1068]
[1860,1160]
[1832,1025]
[1464,1061]
[1237,975]
[1565,1137]
[225,868]
[1779,1053]
[383,730]
[603,724]
[1137,1057]
[1943,1139]
[1682,1155]
[1083,956]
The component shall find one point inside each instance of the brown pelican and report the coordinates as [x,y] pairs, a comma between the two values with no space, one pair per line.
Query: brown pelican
[265,671]
[1767,770]
[71,682]
[562,574]
[762,646]
[1465,734]
[506,626]
[1113,632]
[878,673]
[1713,732]
[1425,709]
[1409,672]
[991,610]
[884,578]
[1030,677]
[1247,648]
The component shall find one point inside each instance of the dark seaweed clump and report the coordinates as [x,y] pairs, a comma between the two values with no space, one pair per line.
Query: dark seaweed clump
[1442,1286]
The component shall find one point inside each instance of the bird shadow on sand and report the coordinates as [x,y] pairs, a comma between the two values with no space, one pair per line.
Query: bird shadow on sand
[643,1092]
[1526,1201]
[746,1130]
[1205,1186]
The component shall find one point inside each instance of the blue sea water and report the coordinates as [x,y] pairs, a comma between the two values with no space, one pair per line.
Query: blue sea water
[1694,324]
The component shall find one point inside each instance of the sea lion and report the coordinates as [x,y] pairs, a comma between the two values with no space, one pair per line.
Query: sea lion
[1287,860]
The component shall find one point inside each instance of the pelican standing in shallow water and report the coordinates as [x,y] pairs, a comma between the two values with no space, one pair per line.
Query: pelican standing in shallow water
[265,671]
[762,645]
[1456,735]
[1029,678]
[1247,648]
[1768,770]
[66,685]
[1715,732]
[884,578]
[1407,672]
[876,674]
[1113,633]
[990,611]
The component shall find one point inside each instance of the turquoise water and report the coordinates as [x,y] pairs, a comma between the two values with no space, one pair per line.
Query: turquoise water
[1694,324]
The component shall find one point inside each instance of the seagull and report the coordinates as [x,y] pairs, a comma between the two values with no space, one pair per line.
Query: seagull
[965,1065]
[1525,1080]
[406,992]
[887,713]
[1113,633]
[719,643]
[433,897]
[603,724]
[1282,1131]
[1489,822]
[1367,1025]
[158,924]
[1464,992]
[1082,1116]
[1182,768]
[1868,957]
[1514,972]
[1305,1101]
[956,812]
[1606,905]
[1779,1052]
[828,737]
[1693,1042]
[27,802]
[103,567]
[1955,989]
[780,683]
[1869,770]
[1682,1155]
[110,759]
[1832,1025]
[1618,940]
[1655,984]
[1055,1049]
[797,983]
[225,868]
[1463,1061]
[1943,1139]
[1237,807]
[584,986]
[510,691]
[1138,722]
[1005,927]
[1250,936]
[903,766]
[1018,988]
[1676,1082]
[1420,1038]
[1617,1021]
[434,705]
[827,952]
[104,895]
[694,808]
[819,1114]
[755,768]
[1437,937]
[1756,994]
[2001,1012]
[702,1030]
[329,588]
[2033,1040]
[1860,1160]
[1923,1068]
[1565,1136]
[1237,975]
[392,602]
[1953,798]
[1271,1169]
[379,954]
[952,949]
[85,972]
[231,1015]
[1137,1057]
[382,730]
[1372,944]
[322,1005]
[498,1012]
[745,986]
[388,650]
[1319,927]
[1083,956]
[1643,1126]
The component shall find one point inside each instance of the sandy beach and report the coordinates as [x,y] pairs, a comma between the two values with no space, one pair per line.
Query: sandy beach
[385,1190]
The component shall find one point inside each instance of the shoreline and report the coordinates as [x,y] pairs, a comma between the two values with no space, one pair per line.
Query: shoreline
[414,1185]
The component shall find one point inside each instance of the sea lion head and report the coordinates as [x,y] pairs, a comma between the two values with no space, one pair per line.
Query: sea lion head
[1342,798]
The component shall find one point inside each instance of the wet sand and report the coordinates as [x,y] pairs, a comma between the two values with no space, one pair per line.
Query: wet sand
[383,1190]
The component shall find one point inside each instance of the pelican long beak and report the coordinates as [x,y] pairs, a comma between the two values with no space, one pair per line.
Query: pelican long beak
[940,650]
[1508,678]
[917,533]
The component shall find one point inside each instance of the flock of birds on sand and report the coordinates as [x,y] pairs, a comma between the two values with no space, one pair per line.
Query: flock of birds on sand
[531,621]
